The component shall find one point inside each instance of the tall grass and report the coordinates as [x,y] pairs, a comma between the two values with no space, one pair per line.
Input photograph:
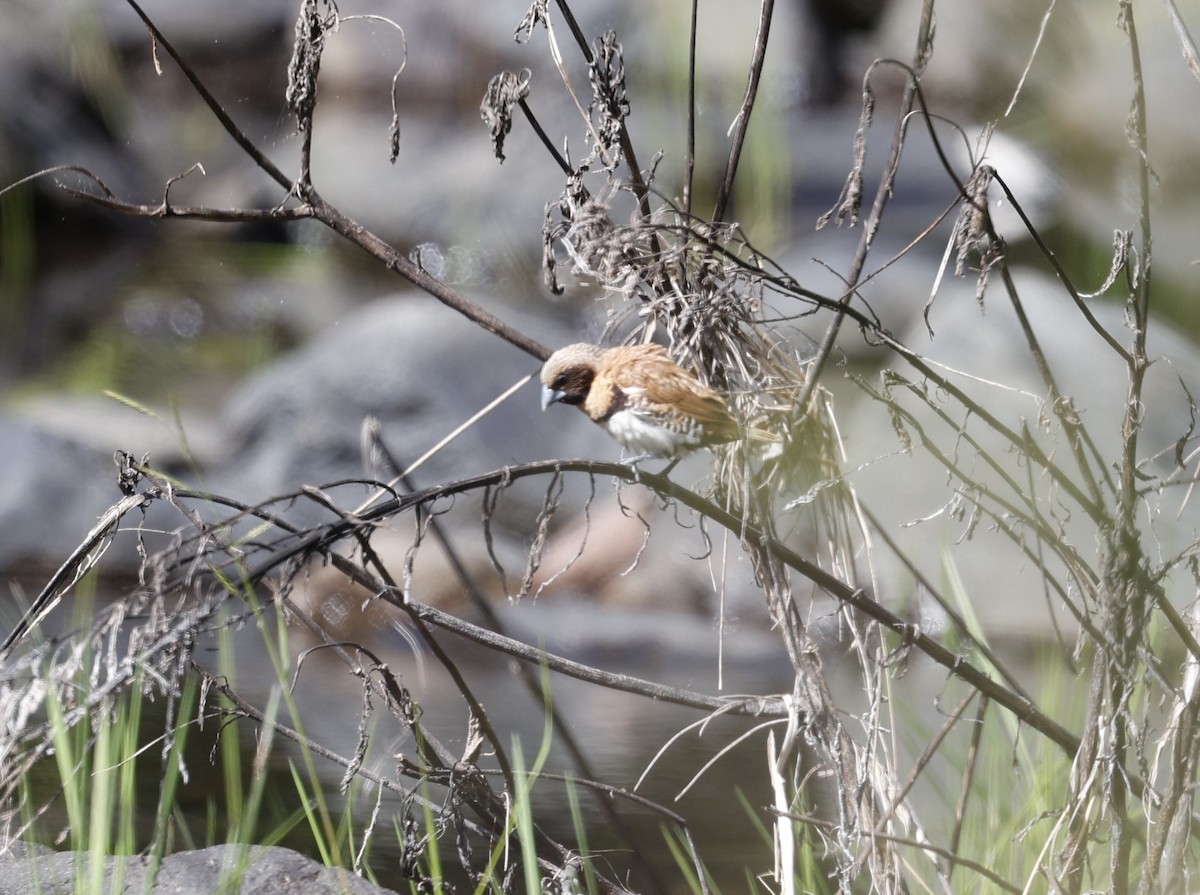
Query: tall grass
[989,778]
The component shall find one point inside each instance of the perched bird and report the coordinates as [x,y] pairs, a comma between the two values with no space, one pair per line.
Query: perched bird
[641,397]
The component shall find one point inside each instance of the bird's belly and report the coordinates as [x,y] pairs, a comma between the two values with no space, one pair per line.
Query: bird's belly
[643,436]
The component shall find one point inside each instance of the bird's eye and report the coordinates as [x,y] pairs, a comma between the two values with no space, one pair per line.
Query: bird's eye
[560,382]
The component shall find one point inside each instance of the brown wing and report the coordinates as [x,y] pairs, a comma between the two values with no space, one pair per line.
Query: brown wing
[668,386]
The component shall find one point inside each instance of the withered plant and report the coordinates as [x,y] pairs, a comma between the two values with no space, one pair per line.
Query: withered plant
[1057,494]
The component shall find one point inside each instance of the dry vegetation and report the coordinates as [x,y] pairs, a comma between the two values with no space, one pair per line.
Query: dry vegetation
[1103,803]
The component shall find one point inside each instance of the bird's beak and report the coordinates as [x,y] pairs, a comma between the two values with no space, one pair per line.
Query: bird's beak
[550,396]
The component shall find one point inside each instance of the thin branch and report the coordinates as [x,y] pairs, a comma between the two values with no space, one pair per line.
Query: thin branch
[247,145]
[345,226]
[321,541]
[969,772]
[882,194]
[754,706]
[635,172]
[201,212]
[1190,54]
[562,163]
[689,158]
[950,856]
[742,123]
[57,169]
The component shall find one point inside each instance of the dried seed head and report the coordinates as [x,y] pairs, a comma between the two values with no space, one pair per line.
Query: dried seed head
[552,231]
[503,92]
[537,14]
[850,202]
[973,233]
[610,102]
[973,226]
[311,27]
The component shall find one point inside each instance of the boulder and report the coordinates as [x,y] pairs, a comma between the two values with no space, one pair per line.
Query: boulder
[26,867]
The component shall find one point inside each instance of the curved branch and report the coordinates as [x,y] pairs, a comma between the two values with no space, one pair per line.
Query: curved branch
[321,542]
[415,274]
[340,223]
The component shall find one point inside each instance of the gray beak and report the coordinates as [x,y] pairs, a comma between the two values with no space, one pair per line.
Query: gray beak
[550,396]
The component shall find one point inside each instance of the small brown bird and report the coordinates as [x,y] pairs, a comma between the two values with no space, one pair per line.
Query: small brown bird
[641,397]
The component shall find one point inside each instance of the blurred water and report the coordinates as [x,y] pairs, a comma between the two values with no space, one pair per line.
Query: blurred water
[117,304]
[619,733]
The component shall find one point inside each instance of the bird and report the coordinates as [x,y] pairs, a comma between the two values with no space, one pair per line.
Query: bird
[641,397]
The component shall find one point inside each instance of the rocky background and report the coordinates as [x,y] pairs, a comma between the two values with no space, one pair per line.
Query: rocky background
[246,357]
[261,348]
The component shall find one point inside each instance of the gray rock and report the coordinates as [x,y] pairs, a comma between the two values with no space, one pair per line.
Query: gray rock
[52,491]
[418,367]
[28,868]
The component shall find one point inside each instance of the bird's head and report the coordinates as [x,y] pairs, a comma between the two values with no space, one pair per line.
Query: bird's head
[567,374]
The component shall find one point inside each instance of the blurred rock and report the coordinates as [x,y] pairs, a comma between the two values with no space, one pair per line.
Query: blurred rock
[53,490]
[418,367]
[985,353]
[261,870]
[102,425]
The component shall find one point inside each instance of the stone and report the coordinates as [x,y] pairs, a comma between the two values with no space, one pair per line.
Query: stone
[27,867]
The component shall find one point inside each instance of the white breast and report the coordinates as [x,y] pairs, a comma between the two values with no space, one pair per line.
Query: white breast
[642,435]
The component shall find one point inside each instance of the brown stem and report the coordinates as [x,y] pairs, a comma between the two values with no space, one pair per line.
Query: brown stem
[743,116]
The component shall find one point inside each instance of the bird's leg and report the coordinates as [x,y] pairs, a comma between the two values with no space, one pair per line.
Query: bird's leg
[633,464]
[649,455]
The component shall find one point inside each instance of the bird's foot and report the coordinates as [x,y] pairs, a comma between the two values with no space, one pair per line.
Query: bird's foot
[643,457]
